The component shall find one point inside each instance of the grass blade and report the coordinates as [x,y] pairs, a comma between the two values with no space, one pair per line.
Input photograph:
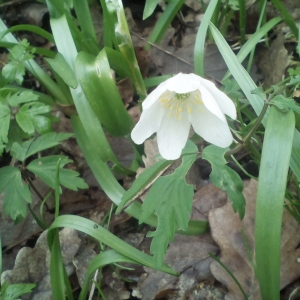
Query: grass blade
[200,39]
[270,198]
[164,21]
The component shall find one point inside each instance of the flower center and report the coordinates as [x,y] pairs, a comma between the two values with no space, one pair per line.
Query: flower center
[179,104]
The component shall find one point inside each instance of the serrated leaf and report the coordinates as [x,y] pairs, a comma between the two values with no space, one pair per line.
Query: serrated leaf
[4,122]
[14,71]
[285,104]
[170,198]
[29,115]
[13,291]
[16,193]
[46,141]
[142,181]
[294,80]
[45,168]
[19,150]
[42,124]
[225,178]
[24,121]
[15,134]
[20,52]
[22,97]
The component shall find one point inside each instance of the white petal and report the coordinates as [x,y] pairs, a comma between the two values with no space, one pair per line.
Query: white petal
[210,103]
[211,128]
[225,103]
[172,136]
[149,123]
[154,95]
[182,83]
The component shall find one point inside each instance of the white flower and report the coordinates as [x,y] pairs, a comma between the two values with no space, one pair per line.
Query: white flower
[177,103]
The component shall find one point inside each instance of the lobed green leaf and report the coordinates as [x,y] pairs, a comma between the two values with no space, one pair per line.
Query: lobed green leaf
[170,198]
[16,193]
[45,168]
[225,178]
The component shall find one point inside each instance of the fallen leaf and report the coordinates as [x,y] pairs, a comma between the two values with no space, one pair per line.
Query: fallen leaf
[273,61]
[12,234]
[188,256]
[226,230]
[126,90]
[32,265]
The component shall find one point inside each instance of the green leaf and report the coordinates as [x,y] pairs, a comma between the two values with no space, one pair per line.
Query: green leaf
[46,141]
[63,69]
[100,89]
[142,181]
[45,168]
[4,122]
[22,97]
[19,150]
[149,8]
[101,234]
[29,118]
[16,193]
[273,174]
[13,291]
[170,198]
[15,69]
[225,178]
[285,104]
[164,21]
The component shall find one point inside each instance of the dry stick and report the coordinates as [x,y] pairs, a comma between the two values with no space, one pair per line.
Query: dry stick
[93,285]
[145,188]
[161,49]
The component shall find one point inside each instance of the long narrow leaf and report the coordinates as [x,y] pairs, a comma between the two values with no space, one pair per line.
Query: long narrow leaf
[101,260]
[286,16]
[270,198]
[38,72]
[247,85]
[254,39]
[200,39]
[237,70]
[109,239]
[164,21]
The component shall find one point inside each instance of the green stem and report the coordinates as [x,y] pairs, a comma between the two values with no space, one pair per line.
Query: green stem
[250,133]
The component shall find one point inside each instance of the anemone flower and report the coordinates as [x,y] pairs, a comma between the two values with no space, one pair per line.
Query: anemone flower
[177,103]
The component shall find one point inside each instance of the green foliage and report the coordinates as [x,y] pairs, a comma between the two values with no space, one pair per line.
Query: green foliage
[142,181]
[225,178]
[149,8]
[14,70]
[24,113]
[32,146]
[17,194]
[285,104]
[45,168]
[14,291]
[170,198]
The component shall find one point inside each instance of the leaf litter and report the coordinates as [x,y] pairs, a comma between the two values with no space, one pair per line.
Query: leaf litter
[187,255]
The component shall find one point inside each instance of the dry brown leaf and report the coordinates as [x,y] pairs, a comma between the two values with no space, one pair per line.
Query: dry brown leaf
[226,230]
[273,61]
[126,90]
[32,264]
[205,199]
[188,256]
[12,234]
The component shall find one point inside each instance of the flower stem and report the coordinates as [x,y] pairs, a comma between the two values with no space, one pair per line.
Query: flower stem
[251,132]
